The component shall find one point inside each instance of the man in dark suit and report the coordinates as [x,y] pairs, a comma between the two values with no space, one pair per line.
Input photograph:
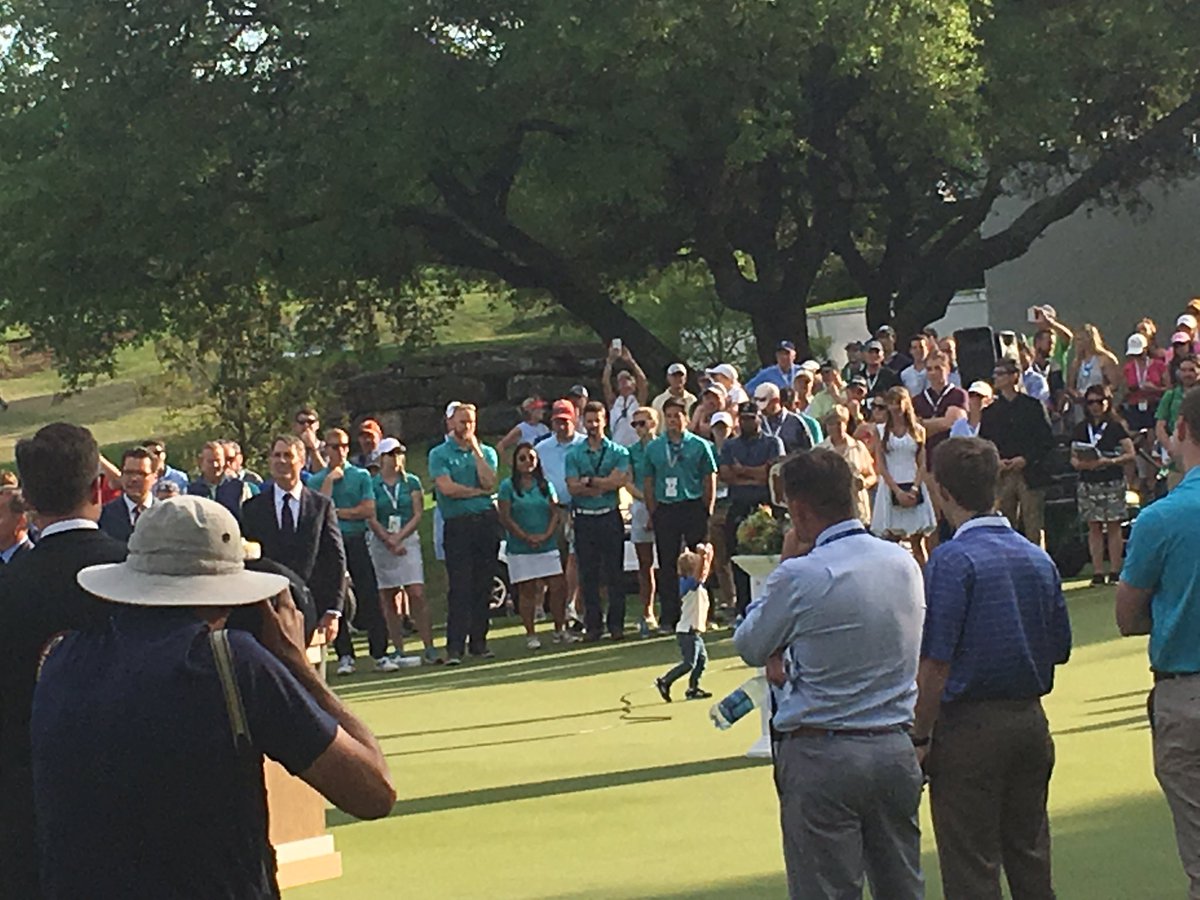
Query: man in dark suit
[298,528]
[14,525]
[40,598]
[214,483]
[138,479]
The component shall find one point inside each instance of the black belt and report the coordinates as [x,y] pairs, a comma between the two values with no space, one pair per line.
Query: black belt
[1171,676]
[810,731]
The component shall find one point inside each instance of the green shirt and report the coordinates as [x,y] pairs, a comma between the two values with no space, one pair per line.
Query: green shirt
[679,470]
[583,462]
[1168,408]
[395,500]
[531,511]
[350,490]
[448,458]
[813,426]
[637,462]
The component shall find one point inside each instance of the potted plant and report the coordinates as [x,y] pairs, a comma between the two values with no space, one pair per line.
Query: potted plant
[759,543]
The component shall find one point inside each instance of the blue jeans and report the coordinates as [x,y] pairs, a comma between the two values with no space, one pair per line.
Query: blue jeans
[695,657]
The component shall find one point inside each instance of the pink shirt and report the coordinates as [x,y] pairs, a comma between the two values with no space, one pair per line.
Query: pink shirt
[1138,371]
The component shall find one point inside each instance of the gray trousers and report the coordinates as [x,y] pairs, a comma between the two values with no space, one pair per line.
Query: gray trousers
[848,806]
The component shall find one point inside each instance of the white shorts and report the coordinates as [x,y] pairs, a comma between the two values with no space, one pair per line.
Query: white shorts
[392,571]
[532,566]
[640,531]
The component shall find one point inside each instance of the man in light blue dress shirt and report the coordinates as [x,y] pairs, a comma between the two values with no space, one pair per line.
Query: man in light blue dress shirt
[849,615]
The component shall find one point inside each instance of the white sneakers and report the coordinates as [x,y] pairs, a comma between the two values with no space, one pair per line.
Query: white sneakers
[345,665]
[386,664]
[533,643]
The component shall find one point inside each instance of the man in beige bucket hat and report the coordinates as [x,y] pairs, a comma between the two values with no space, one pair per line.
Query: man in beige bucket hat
[149,735]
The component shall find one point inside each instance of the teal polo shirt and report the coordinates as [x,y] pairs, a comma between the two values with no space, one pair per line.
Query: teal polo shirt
[531,511]
[679,469]
[637,462]
[1161,557]
[448,458]
[354,487]
[395,500]
[582,462]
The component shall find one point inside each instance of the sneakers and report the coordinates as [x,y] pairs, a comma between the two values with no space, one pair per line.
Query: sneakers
[533,643]
[485,654]
[571,637]
[664,689]
[453,659]
[1098,580]
[383,664]
[539,615]
[647,627]
[557,636]
[430,657]
[697,694]
[345,665]
[405,662]
[1114,578]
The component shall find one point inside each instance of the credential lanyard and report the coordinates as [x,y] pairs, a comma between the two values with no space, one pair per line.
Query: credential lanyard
[845,534]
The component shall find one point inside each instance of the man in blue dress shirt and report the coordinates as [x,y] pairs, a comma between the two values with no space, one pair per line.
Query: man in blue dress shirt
[782,374]
[1159,595]
[846,617]
[995,627]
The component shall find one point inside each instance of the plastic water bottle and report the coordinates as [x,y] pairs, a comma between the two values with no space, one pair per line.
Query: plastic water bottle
[745,699]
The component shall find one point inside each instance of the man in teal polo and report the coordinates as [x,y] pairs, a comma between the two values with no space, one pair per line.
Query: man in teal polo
[464,478]
[680,486]
[1159,595]
[597,469]
[353,497]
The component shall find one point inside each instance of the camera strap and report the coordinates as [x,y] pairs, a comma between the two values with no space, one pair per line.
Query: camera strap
[223,657]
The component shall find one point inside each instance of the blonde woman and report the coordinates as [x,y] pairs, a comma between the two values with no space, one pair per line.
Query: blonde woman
[1093,365]
[857,456]
[641,534]
[903,508]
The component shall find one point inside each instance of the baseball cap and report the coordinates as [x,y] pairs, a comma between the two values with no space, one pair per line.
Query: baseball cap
[578,390]
[388,445]
[725,370]
[784,345]
[1007,365]
[853,345]
[982,388]
[873,345]
[765,392]
[717,389]
[1136,345]
[1187,320]
[676,369]
[811,365]
[1181,337]
[719,417]
[749,408]
[828,364]
[625,375]
[370,426]
[533,403]
[859,381]
[885,329]
[563,409]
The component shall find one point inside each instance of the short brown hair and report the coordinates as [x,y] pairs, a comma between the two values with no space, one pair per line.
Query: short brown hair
[1189,411]
[823,480]
[594,406]
[967,468]
[58,467]
[293,441]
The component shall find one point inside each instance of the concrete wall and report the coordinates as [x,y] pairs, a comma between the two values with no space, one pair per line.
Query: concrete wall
[1106,266]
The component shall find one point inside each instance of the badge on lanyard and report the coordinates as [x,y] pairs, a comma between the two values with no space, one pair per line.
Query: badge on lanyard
[671,488]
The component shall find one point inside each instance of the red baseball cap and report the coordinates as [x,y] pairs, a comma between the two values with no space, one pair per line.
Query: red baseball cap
[371,426]
[563,409]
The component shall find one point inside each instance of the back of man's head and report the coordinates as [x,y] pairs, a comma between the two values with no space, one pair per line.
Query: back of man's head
[1189,411]
[823,481]
[967,468]
[58,466]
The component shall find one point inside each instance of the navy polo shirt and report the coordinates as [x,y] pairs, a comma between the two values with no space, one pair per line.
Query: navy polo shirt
[755,451]
[139,790]
[995,611]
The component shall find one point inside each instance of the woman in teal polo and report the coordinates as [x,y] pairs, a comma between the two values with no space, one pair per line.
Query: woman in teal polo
[395,548]
[529,513]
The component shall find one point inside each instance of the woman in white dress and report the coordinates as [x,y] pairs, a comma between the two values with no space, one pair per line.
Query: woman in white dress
[903,507]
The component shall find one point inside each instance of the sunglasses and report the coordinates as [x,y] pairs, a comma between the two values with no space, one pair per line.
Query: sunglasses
[1096,401]
[340,446]
[524,459]
[307,422]
[640,423]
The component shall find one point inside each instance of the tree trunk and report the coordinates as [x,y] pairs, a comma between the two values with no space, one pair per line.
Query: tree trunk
[780,319]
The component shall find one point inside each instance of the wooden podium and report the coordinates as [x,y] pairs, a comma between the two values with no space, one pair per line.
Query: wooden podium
[303,850]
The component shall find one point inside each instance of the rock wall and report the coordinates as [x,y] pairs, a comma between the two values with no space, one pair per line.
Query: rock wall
[409,397]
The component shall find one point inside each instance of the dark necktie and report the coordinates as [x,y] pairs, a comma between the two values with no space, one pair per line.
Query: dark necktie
[134,513]
[286,519]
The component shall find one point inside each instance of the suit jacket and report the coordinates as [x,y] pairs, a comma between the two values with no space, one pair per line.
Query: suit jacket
[39,598]
[314,552]
[229,493]
[19,552]
[114,520]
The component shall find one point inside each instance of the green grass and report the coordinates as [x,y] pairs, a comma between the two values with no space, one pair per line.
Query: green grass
[562,774]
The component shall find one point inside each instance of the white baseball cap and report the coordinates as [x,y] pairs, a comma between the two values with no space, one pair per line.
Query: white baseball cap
[1188,320]
[765,391]
[676,369]
[1136,345]
[982,388]
[719,417]
[811,365]
[725,370]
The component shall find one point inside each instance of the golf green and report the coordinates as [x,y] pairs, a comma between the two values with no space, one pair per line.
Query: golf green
[561,773]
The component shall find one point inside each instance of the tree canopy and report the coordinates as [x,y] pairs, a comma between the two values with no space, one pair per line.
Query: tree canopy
[162,161]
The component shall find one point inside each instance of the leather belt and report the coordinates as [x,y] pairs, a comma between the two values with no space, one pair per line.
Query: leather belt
[594,512]
[1171,676]
[810,731]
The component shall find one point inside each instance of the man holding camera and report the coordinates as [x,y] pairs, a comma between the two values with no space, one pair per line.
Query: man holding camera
[182,712]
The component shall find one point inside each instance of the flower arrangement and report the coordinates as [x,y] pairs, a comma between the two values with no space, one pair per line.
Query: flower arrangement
[760,533]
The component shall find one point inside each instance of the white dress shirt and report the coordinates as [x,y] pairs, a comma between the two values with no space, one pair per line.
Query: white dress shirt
[130,506]
[294,493]
[69,525]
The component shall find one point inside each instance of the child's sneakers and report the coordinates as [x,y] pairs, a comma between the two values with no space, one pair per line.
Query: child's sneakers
[697,694]
[664,689]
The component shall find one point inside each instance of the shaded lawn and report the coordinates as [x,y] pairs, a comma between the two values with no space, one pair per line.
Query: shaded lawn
[562,774]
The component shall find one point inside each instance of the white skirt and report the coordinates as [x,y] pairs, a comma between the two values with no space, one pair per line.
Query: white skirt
[532,566]
[392,571]
[890,519]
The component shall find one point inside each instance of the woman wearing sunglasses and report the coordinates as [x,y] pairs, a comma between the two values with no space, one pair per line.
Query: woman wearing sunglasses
[529,512]
[641,535]
[1100,450]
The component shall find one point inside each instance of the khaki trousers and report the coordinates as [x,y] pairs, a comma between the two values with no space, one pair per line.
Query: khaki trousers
[1175,708]
[1022,505]
[989,774]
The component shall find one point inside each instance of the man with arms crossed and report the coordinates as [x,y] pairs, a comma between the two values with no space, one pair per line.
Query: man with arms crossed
[995,627]
[847,618]
[1159,595]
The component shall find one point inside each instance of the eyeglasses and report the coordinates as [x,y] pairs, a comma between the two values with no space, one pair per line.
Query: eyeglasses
[640,423]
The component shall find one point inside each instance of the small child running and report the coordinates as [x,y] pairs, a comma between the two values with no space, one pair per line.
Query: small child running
[693,568]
